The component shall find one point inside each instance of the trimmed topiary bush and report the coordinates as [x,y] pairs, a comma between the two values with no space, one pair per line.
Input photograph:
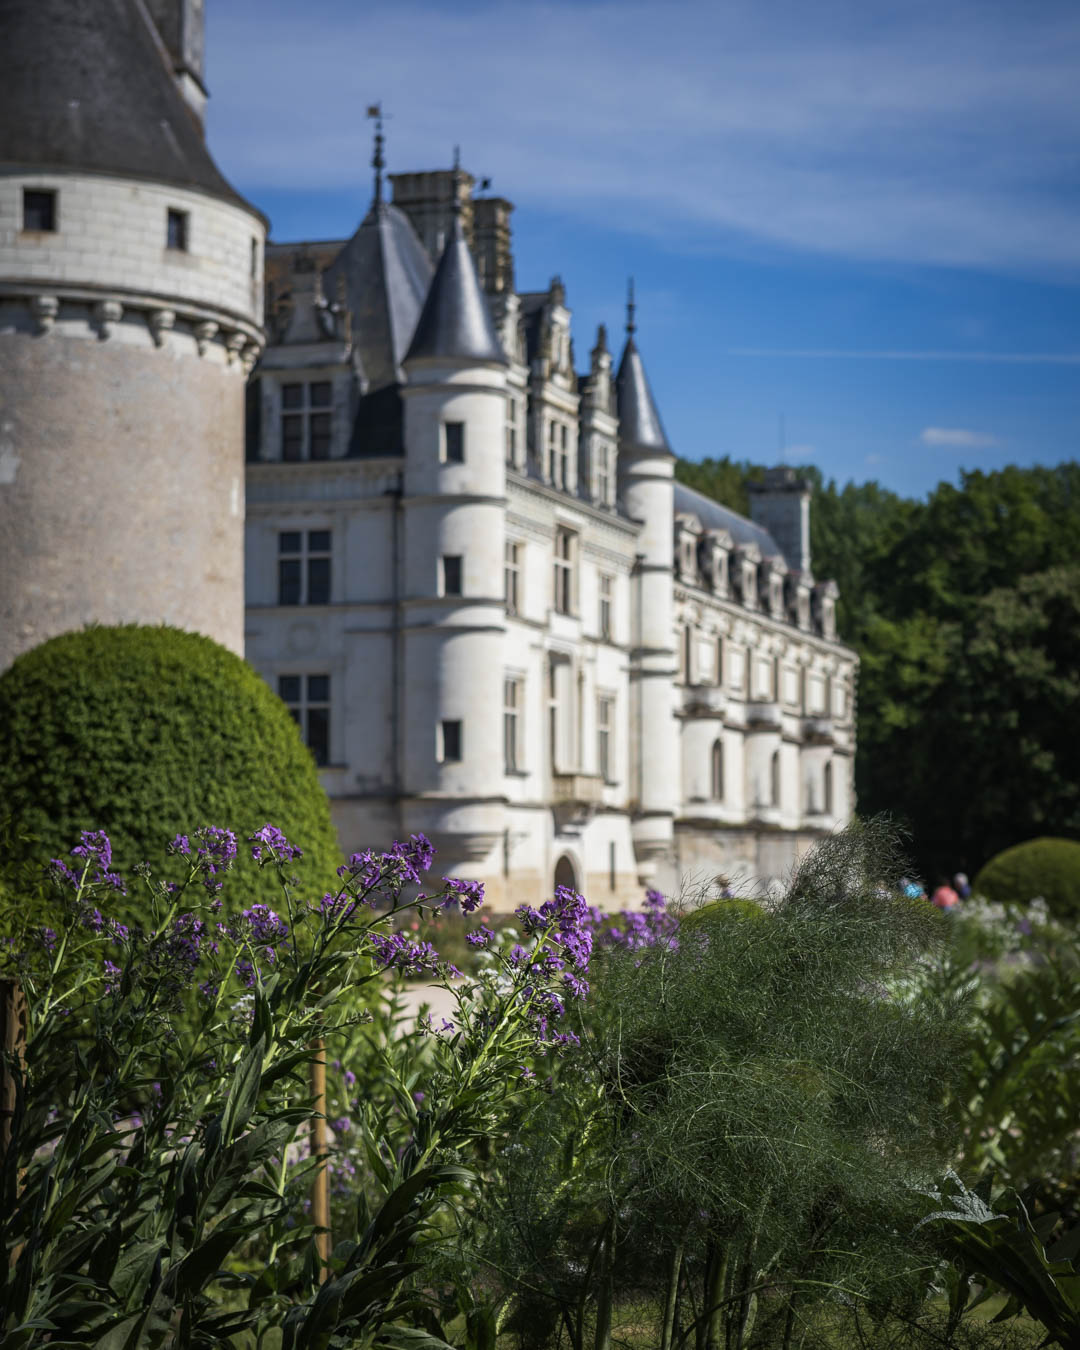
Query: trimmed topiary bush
[1046,867]
[147,733]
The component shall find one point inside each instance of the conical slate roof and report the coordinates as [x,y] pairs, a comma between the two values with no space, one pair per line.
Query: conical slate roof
[84,86]
[387,273]
[639,421]
[456,321]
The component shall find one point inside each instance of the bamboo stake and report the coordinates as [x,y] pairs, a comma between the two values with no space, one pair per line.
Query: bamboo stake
[12,1049]
[320,1148]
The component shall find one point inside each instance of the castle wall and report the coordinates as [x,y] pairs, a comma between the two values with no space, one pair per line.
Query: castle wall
[122,369]
[111,237]
[121,482]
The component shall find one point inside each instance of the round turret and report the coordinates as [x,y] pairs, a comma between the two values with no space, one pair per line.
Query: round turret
[130,313]
[646,488]
[452,552]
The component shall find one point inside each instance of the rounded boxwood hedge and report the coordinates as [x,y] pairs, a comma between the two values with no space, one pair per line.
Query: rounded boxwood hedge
[147,733]
[1046,867]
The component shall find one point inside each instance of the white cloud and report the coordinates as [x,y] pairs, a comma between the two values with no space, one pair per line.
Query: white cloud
[921,133]
[870,354]
[957,438]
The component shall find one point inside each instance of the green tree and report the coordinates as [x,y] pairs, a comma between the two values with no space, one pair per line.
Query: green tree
[150,730]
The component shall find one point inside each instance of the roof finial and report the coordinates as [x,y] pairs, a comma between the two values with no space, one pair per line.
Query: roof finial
[377,161]
[631,326]
[457,156]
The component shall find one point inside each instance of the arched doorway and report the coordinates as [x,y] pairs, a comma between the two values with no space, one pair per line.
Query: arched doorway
[565,874]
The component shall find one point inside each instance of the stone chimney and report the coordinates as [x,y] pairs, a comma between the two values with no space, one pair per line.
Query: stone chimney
[428,199]
[492,244]
[781,505]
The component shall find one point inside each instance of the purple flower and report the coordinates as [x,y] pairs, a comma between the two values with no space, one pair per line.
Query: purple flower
[179,845]
[469,895]
[342,1125]
[418,1098]
[396,952]
[94,847]
[47,938]
[62,873]
[270,845]
[266,926]
[576,985]
[481,938]
[112,975]
[350,1078]
[216,854]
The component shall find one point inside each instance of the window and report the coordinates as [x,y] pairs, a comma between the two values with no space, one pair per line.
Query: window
[606,591]
[454,442]
[451,574]
[774,778]
[716,776]
[449,746]
[254,258]
[513,690]
[564,455]
[306,421]
[553,467]
[176,230]
[304,567]
[611,865]
[686,654]
[512,576]
[603,476]
[564,571]
[308,699]
[828,788]
[605,709]
[720,662]
[511,430]
[39,209]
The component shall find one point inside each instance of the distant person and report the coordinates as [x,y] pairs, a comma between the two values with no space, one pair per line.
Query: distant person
[911,889]
[944,897]
[962,886]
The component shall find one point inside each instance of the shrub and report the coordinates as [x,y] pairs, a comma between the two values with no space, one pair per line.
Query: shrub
[150,730]
[1040,867]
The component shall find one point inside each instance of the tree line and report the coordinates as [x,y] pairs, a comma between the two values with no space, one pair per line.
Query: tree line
[964,608]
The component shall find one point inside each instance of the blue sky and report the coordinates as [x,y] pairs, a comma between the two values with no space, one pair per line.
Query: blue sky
[854,225]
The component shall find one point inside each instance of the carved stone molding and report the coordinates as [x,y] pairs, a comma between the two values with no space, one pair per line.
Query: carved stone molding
[234,345]
[205,333]
[45,309]
[161,322]
[107,314]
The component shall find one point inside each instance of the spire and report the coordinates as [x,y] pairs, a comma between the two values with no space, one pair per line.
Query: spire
[639,420]
[456,321]
[378,163]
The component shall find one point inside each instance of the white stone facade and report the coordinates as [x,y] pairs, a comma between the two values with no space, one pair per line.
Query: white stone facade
[514,631]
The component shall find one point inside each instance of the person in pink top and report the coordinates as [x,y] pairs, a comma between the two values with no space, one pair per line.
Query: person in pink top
[944,897]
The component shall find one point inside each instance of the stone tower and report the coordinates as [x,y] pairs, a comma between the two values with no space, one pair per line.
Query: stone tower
[130,312]
[646,486]
[454,624]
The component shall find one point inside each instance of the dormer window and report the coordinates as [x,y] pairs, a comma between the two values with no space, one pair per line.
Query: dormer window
[306,422]
[749,585]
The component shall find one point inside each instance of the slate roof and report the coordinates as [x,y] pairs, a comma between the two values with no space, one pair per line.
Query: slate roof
[456,321]
[713,516]
[639,420]
[387,275]
[84,86]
